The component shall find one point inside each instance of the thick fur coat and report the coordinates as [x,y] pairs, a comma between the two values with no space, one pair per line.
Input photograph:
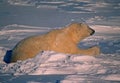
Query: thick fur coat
[63,40]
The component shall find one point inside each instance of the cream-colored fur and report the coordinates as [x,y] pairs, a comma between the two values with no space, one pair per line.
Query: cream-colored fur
[63,40]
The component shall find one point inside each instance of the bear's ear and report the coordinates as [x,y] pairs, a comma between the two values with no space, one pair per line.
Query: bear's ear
[84,25]
[73,26]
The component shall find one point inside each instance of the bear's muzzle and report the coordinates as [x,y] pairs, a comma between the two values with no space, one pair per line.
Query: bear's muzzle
[92,31]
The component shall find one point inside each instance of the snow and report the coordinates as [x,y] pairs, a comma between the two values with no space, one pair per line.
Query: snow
[113,77]
[53,67]
[22,18]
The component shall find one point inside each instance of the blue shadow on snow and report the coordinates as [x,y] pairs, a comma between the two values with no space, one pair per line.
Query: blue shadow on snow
[7,56]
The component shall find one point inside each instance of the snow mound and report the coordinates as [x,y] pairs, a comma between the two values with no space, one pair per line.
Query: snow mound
[112,77]
[50,62]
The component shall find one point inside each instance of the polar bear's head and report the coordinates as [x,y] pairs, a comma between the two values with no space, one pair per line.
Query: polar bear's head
[79,31]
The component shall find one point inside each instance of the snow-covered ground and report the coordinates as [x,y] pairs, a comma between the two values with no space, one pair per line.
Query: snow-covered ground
[18,20]
[52,67]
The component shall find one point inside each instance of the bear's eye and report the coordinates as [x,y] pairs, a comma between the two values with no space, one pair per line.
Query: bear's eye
[84,25]
[78,30]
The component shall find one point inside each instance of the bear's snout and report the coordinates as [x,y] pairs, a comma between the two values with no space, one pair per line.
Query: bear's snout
[92,31]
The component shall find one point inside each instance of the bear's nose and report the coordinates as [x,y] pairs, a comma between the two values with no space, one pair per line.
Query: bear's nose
[92,32]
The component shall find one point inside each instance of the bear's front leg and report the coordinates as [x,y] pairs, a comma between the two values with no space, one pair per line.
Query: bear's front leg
[93,51]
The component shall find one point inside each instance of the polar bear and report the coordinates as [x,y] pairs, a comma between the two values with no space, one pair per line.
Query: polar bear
[62,40]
